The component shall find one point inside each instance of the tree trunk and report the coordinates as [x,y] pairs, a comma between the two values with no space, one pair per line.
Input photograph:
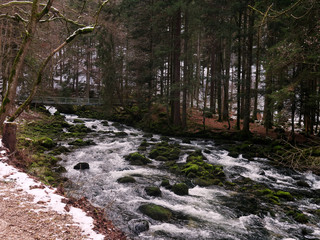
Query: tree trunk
[247,110]
[9,139]
[176,66]
[10,96]
[185,69]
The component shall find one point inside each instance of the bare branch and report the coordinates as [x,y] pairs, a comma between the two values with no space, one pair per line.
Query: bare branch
[15,3]
[46,9]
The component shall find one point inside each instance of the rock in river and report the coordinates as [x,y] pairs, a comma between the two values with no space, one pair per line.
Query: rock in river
[138,225]
[81,166]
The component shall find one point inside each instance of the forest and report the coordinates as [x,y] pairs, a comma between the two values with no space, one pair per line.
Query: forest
[186,119]
[241,60]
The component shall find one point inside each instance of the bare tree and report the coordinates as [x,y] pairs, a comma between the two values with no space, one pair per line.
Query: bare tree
[32,14]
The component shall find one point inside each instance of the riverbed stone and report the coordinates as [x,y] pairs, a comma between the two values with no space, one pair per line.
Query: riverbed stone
[137,159]
[153,191]
[180,189]
[138,225]
[156,212]
[82,166]
[126,179]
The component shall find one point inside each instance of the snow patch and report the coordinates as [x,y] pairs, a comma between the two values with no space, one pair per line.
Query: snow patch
[51,201]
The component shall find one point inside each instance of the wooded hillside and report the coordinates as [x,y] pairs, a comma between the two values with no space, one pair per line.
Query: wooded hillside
[238,59]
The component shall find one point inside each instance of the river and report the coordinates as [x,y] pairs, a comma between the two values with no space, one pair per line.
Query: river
[209,212]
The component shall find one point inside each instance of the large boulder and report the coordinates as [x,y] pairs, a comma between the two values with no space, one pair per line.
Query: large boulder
[81,166]
[180,189]
[138,225]
[156,212]
[126,179]
[137,159]
[153,191]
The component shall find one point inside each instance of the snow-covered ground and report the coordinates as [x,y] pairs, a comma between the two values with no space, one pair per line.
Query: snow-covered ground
[47,196]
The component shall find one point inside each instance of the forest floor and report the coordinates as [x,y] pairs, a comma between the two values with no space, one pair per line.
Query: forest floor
[256,128]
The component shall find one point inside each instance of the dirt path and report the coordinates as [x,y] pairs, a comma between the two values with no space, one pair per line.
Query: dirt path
[21,218]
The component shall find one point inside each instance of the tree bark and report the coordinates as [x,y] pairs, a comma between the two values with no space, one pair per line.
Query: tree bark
[247,110]
[176,66]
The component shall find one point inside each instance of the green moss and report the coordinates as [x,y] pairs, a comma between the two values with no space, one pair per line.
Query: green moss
[81,143]
[273,199]
[161,159]
[126,179]
[163,149]
[156,212]
[153,191]
[46,142]
[180,189]
[165,183]
[284,195]
[298,216]
[265,191]
[137,159]
[78,121]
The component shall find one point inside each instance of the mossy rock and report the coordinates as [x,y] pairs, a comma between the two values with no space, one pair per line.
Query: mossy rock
[156,212]
[79,128]
[180,189]
[144,144]
[169,151]
[81,143]
[59,150]
[153,191]
[302,183]
[78,121]
[126,179]
[298,216]
[161,159]
[166,184]
[105,123]
[284,195]
[207,182]
[121,134]
[137,159]
[46,142]
[142,148]
[265,191]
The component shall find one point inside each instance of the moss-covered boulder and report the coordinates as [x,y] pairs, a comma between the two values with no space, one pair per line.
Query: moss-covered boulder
[204,173]
[59,150]
[180,189]
[274,197]
[284,195]
[137,159]
[121,134]
[80,128]
[166,184]
[81,143]
[153,191]
[126,179]
[165,150]
[156,212]
[78,120]
[46,142]
[298,216]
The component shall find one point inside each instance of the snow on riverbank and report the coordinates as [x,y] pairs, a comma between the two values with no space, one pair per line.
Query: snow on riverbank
[46,196]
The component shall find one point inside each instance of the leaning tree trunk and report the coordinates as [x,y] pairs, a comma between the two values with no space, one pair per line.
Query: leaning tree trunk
[10,96]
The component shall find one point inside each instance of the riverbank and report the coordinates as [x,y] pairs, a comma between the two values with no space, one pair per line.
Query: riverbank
[36,156]
[31,210]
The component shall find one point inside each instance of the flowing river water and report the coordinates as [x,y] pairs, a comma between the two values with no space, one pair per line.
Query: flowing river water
[209,212]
